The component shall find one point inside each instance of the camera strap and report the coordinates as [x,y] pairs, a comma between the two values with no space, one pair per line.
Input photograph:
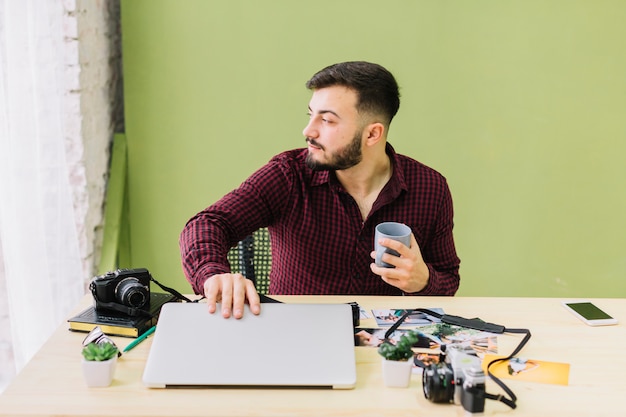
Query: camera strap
[171,291]
[476,324]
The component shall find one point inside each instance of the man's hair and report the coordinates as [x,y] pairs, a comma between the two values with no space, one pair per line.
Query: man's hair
[376,88]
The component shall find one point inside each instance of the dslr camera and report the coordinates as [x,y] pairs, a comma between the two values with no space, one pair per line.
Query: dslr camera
[458,378]
[125,290]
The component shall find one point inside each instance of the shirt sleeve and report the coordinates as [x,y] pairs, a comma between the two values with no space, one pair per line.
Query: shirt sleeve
[208,236]
[440,253]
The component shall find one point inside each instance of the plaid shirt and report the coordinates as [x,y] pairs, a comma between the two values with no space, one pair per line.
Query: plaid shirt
[320,244]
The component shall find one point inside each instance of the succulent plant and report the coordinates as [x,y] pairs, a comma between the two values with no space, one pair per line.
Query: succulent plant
[99,351]
[402,350]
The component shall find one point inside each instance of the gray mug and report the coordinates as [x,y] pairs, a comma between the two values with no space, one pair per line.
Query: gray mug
[391,230]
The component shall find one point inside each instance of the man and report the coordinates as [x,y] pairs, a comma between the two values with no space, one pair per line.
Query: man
[322,203]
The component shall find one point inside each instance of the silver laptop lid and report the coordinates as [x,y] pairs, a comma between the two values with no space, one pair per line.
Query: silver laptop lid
[287,345]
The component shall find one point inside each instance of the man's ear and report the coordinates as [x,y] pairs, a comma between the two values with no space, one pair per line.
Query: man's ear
[375,132]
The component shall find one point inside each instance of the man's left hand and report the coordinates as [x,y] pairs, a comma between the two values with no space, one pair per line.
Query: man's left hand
[410,273]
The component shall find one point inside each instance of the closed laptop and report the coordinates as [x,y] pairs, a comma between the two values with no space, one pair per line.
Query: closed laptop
[287,345]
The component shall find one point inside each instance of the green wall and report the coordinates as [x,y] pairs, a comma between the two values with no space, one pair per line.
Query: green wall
[520,104]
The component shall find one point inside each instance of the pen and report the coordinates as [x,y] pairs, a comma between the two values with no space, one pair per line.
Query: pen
[140,339]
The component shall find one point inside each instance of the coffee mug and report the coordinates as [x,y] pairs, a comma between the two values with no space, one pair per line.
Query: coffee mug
[390,230]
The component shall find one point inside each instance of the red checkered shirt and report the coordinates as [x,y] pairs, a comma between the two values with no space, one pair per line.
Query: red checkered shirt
[320,244]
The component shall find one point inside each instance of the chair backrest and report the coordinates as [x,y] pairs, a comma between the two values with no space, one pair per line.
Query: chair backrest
[252,257]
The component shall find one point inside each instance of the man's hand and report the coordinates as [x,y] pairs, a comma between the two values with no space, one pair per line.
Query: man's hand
[410,273]
[232,290]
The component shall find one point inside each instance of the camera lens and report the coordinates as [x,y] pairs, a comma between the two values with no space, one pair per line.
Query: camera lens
[132,293]
[437,383]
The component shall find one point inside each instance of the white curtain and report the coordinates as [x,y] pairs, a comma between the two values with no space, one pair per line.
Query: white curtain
[38,234]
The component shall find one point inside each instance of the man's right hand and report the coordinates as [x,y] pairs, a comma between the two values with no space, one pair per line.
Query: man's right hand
[232,291]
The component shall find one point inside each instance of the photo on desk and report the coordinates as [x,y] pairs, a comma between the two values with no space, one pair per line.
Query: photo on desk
[432,336]
[473,341]
[388,317]
[374,337]
[530,370]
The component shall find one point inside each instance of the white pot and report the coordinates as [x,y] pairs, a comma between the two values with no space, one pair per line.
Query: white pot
[99,373]
[397,373]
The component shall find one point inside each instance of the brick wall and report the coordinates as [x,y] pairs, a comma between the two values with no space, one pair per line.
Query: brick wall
[94,111]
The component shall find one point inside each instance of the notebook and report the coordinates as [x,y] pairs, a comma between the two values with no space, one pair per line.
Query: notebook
[287,345]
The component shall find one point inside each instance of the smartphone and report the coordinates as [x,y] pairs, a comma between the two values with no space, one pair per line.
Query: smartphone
[589,313]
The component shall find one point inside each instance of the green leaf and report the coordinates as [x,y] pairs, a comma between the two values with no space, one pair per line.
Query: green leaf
[402,350]
[99,351]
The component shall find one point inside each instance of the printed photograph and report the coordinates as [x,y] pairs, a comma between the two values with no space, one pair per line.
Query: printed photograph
[390,316]
[432,336]
[529,370]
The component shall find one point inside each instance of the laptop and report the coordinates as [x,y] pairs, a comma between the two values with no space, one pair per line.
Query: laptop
[287,345]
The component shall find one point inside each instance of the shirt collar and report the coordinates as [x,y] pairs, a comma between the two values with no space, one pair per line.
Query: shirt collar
[397,177]
[321,178]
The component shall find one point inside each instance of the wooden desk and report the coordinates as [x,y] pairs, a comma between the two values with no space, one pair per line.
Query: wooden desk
[52,383]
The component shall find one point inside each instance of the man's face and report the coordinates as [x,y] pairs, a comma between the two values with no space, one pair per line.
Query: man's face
[334,131]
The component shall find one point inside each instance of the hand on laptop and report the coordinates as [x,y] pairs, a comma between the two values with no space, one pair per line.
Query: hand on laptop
[232,290]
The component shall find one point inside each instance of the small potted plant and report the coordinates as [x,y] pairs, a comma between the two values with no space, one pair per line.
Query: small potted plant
[99,360]
[398,360]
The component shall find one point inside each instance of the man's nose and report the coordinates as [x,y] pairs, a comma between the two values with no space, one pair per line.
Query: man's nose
[309,130]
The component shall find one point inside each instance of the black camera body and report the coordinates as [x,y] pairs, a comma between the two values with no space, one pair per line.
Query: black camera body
[458,378]
[122,290]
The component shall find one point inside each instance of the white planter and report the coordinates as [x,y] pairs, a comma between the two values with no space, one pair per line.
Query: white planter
[397,373]
[99,373]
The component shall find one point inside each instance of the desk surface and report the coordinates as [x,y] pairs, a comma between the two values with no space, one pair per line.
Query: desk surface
[52,382]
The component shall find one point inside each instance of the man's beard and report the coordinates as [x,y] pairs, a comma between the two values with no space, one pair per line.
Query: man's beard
[343,159]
